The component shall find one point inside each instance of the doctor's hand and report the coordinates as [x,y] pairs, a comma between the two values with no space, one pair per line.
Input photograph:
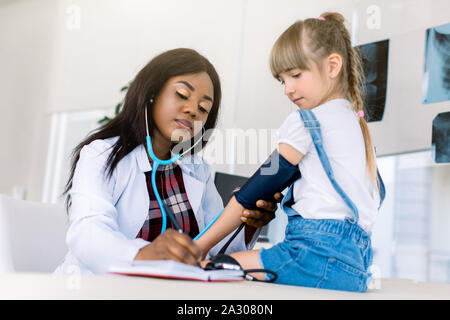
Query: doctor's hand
[259,218]
[171,245]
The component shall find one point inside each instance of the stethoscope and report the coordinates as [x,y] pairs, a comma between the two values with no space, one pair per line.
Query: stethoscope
[166,211]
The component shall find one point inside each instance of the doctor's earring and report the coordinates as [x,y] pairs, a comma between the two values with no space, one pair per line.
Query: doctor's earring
[152,99]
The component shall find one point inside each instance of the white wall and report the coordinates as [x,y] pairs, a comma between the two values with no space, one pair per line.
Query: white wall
[27,37]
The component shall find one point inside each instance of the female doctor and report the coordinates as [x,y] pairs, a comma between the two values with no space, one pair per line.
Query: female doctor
[114,214]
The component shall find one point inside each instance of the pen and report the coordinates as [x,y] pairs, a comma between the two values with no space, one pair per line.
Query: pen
[172,218]
[175,223]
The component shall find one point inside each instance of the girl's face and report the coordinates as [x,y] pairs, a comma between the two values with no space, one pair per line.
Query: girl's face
[182,106]
[306,88]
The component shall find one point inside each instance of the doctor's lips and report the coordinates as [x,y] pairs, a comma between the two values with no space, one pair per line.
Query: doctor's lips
[184,124]
[297,100]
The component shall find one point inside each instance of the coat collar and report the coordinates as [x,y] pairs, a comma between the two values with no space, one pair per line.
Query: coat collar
[188,164]
[192,176]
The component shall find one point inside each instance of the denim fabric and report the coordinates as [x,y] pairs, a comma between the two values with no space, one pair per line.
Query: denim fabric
[313,125]
[329,254]
[322,253]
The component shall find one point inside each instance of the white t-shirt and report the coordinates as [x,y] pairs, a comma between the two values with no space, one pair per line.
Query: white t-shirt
[314,195]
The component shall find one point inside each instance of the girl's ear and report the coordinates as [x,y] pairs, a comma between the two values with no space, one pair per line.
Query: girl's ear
[334,65]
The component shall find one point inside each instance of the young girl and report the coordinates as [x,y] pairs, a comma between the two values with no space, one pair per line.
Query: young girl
[332,208]
[114,213]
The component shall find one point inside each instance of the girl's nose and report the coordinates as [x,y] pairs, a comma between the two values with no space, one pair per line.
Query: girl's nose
[288,88]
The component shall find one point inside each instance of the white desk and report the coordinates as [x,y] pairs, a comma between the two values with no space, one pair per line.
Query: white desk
[109,287]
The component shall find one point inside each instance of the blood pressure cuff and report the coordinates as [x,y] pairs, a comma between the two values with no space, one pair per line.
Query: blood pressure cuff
[274,175]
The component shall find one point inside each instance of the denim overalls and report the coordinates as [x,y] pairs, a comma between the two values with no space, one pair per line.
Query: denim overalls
[322,253]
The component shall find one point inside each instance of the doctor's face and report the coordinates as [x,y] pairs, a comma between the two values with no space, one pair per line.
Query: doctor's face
[182,106]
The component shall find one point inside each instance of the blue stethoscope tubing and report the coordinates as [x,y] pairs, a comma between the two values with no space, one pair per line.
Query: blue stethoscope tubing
[209,225]
[156,163]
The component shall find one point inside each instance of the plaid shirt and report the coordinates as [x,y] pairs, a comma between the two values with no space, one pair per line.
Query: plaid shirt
[169,181]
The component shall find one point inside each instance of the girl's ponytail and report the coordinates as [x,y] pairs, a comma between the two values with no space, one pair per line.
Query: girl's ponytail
[356,92]
[355,88]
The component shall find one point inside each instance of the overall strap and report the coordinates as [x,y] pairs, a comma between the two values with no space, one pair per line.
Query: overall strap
[288,201]
[313,126]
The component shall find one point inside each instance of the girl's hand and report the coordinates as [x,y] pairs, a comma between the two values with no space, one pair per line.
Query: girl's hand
[171,245]
[259,218]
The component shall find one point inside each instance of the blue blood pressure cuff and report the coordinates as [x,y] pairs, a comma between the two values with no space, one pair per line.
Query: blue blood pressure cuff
[274,175]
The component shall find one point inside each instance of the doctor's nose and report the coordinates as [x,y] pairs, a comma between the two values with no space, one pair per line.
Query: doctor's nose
[190,109]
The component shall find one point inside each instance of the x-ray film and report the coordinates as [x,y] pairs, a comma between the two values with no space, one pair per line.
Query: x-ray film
[375,60]
[436,75]
[440,147]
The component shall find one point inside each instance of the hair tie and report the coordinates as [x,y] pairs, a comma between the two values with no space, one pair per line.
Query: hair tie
[360,114]
[321,18]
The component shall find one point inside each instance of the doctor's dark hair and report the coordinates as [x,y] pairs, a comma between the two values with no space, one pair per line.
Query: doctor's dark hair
[129,124]
[311,41]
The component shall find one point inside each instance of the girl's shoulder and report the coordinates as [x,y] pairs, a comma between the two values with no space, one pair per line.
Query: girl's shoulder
[336,109]
[292,124]
[293,117]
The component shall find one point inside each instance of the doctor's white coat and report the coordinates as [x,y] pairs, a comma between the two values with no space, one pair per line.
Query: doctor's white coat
[107,214]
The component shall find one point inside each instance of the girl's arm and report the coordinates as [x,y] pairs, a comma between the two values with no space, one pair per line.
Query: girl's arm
[230,218]
[290,153]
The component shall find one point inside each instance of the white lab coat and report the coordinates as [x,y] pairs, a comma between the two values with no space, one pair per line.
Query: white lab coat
[107,214]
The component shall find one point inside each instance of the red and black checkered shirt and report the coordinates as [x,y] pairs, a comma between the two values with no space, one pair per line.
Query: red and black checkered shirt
[169,181]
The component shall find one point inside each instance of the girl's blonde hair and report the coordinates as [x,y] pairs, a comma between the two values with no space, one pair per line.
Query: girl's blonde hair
[311,41]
